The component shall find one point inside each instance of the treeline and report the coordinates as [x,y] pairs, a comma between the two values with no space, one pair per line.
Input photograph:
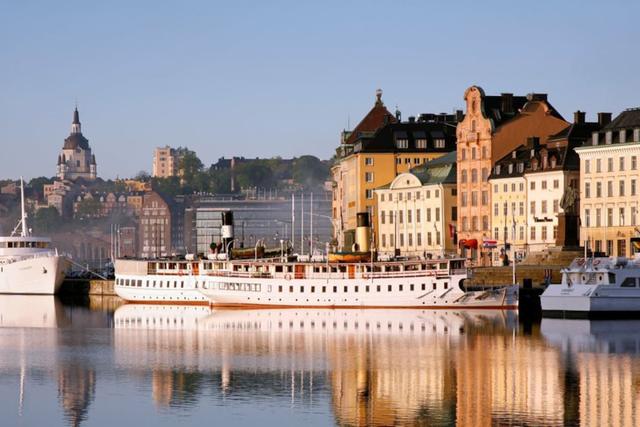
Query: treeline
[304,172]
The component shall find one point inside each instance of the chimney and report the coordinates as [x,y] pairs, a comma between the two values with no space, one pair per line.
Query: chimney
[507,102]
[412,119]
[537,97]
[579,117]
[604,119]
[533,142]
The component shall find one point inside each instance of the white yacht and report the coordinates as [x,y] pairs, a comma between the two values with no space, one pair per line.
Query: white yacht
[28,264]
[590,286]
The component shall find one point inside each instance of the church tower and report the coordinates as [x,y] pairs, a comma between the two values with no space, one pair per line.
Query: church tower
[76,160]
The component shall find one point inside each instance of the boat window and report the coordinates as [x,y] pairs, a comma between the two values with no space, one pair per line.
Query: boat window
[290,288]
[301,288]
[411,287]
[279,288]
[377,288]
[278,269]
[400,287]
[423,286]
[356,289]
[345,289]
[612,278]
[434,286]
[629,282]
[139,283]
[366,288]
[389,288]
[446,285]
[324,289]
[335,289]
[313,289]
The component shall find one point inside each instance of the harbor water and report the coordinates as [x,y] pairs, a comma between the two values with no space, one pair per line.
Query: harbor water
[99,362]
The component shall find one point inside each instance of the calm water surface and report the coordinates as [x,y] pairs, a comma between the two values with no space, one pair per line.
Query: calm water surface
[103,363]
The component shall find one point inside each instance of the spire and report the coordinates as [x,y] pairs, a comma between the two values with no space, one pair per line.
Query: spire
[75,125]
[379,97]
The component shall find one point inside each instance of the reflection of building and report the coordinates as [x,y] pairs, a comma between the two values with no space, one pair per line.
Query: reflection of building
[609,179]
[374,153]
[417,211]
[76,391]
[76,161]
[492,127]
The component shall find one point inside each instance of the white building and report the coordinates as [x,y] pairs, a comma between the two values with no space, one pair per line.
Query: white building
[418,211]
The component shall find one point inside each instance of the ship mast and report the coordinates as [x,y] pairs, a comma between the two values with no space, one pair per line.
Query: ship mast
[23,216]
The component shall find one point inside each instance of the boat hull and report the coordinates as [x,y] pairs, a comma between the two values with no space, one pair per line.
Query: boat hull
[589,300]
[42,275]
[417,292]
[159,289]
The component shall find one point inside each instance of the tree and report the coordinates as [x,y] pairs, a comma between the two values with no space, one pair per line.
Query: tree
[310,171]
[142,176]
[37,186]
[89,208]
[46,220]
[253,174]
[190,167]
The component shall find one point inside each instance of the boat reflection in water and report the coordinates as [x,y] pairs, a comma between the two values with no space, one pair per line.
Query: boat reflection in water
[602,366]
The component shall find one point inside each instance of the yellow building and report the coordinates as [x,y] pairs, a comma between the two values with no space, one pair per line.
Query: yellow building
[609,179]
[418,211]
[380,148]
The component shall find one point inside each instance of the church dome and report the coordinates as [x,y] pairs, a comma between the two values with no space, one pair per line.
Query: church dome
[76,140]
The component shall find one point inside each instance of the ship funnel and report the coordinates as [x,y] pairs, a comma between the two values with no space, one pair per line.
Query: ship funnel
[226,230]
[363,232]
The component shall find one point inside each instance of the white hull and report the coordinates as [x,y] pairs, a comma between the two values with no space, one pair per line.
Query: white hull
[35,275]
[590,298]
[167,289]
[415,292]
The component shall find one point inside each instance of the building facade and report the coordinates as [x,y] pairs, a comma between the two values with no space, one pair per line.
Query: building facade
[76,160]
[417,212]
[154,226]
[166,162]
[492,127]
[609,179]
[367,160]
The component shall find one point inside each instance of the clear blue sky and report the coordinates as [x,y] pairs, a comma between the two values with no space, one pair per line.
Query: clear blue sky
[269,78]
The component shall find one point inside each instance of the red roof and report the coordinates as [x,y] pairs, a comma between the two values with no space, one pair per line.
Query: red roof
[373,121]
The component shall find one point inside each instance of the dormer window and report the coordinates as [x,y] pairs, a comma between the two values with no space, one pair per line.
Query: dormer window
[513,155]
[636,135]
[520,167]
[402,143]
[553,161]
[421,144]
[510,169]
[497,169]
[622,136]
[608,137]
[595,138]
[437,143]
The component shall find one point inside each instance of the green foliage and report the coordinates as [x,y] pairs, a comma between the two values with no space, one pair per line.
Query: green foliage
[309,171]
[89,208]
[257,173]
[37,186]
[169,186]
[46,220]
[142,176]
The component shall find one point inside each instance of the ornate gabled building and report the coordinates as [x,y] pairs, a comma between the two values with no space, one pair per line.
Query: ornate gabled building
[493,126]
[76,160]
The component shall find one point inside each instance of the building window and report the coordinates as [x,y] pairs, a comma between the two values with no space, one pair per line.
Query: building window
[544,185]
[384,240]
[418,216]
[555,206]
[522,232]
[609,163]
[463,154]
[609,188]
[532,186]
[598,189]
[598,165]
[368,193]
[382,217]
[587,190]
[368,161]
[465,224]
[505,188]
[474,223]
[419,239]
[473,153]
[634,214]
[556,183]
[521,208]
[401,239]
[555,232]
[621,188]
[485,174]
[429,241]
[532,209]
[463,176]
[463,199]
[400,216]
[621,164]
[474,198]
[598,217]
[633,187]
[485,223]
[368,176]
[438,143]
[437,214]
[409,216]
[474,175]
[428,214]
[544,233]
[410,238]
[609,217]
[496,233]
[544,206]
[621,217]
[634,161]
[533,233]
[421,144]
[505,208]
[402,143]
[485,198]
[496,209]
[587,217]
[587,166]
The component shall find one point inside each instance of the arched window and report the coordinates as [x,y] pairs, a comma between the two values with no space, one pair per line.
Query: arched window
[474,175]
[463,176]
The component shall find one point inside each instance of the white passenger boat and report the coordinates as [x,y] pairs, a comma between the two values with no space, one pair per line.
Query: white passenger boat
[28,264]
[595,286]
[268,282]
